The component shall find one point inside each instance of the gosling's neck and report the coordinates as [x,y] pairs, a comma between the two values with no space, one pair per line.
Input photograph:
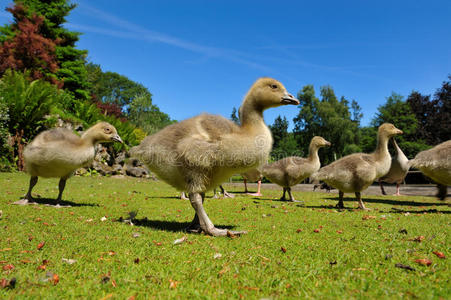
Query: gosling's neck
[313,153]
[381,151]
[251,115]
[89,138]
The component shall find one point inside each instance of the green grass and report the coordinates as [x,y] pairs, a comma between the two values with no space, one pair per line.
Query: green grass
[251,266]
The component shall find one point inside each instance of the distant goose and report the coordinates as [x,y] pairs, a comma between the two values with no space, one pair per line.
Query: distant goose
[356,172]
[253,175]
[59,152]
[290,171]
[200,153]
[398,169]
[436,164]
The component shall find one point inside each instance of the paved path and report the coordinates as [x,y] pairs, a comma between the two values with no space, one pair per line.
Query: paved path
[406,189]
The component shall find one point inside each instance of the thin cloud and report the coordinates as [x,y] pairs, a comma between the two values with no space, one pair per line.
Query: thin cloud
[137,32]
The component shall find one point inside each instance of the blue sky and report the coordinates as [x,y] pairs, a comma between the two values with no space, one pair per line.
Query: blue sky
[202,56]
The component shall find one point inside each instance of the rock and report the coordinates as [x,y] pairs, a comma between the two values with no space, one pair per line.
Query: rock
[120,159]
[137,172]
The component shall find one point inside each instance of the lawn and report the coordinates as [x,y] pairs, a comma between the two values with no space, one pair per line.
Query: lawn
[290,251]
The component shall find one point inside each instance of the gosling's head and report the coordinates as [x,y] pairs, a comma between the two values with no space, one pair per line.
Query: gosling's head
[267,92]
[319,142]
[389,130]
[104,132]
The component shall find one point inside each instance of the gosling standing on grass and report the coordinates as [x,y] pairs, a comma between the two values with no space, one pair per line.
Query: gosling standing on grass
[198,154]
[59,152]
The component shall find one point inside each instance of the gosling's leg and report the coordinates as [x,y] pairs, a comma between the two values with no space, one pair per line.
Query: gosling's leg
[291,196]
[194,227]
[359,198]
[183,196]
[340,200]
[61,186]
[225,193]
[258,194]
[28,199]
[206,225]
[397,190]
[382,188]
[442,191]
[283,195]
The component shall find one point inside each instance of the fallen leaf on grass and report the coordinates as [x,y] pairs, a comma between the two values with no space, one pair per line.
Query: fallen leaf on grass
[284,250]
[40,245]
[368,217]
[136,260]
[423,261]
[405,267]
[224,270]
[217,255]
[298,230]
[113,283]
[55,279]
[103,219]
[25,261]
[403,231]
[439,254]
[180,240]
[69,261]
[107,297]
[5,283]
[173,284]
[6,249]
[339,231]
[8,267]
[417,239]
[317,230]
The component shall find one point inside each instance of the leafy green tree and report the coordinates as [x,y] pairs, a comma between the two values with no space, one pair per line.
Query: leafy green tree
[111,87]
[28,104]
[433,115]
[71,61]
[279,130]
[399,113]
[329,118]
[146,115]
[234,117]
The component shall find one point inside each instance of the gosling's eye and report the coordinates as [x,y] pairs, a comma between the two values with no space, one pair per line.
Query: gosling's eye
[274,86]
[107,130]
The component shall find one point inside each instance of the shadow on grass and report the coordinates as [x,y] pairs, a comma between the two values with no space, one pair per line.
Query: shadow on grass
[62,203]
[390,201]
[427,211]
[172,226]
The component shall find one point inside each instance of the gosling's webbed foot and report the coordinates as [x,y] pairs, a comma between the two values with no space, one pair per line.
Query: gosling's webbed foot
[228,195]
[223,232]
[340,205]
[255,194]
[25,201]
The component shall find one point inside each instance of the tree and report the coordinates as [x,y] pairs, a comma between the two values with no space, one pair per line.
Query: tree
[234,117]
[146,115]
[28,103]
[28,49]
[399,113]
[111,87]
[329,118]
[71,70]
[279,130]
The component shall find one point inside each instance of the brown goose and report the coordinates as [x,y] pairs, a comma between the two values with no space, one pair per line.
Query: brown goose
[354,173]
[398,169]
[436,164]
[289,171]
[59,152]
[200,153]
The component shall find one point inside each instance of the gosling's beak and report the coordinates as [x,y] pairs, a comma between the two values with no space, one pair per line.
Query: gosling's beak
[289,99]
[328,144]
[117,138]
[399,131]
